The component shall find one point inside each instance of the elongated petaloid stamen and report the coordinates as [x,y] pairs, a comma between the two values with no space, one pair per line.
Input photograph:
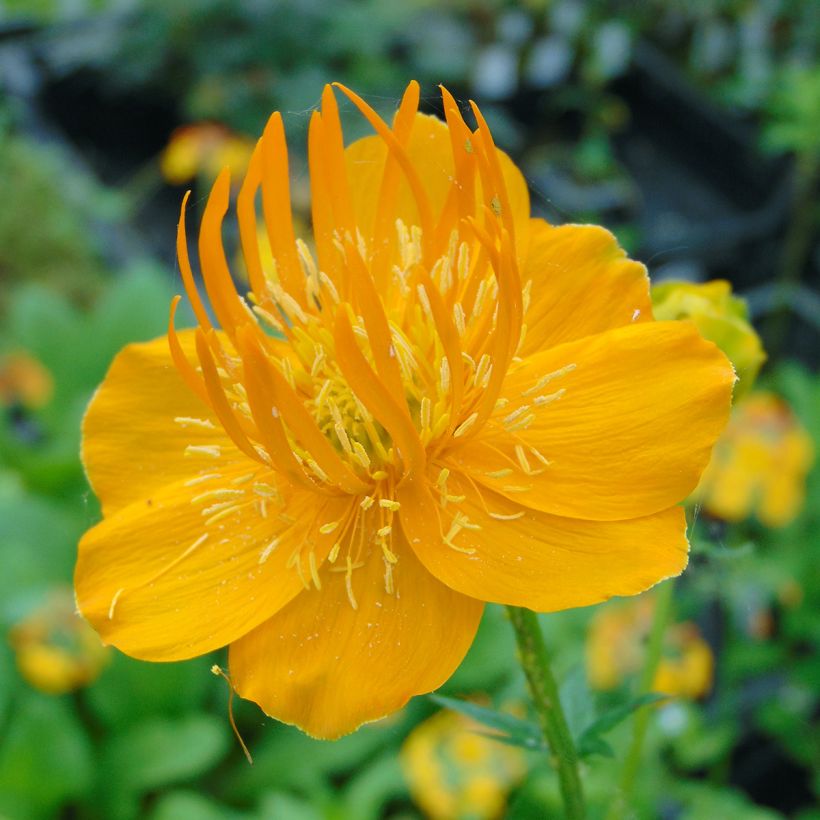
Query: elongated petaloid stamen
[367,356]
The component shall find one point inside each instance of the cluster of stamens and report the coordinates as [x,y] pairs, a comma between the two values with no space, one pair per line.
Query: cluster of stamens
[360,362]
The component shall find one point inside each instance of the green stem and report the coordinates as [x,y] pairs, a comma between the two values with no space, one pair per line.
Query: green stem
[634,758]
[544,690]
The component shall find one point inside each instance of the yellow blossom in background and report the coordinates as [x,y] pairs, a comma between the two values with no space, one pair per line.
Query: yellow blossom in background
[760,464]
[616,649]
[23,380]
[720,316]
[442,402]
[204,149]
[55,649]
[455,772]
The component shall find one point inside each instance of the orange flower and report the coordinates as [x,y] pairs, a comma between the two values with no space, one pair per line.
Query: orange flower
[450,403]
[56,650]
[23,379]
[455,771]
[759,465]
[616,648]
[204,148]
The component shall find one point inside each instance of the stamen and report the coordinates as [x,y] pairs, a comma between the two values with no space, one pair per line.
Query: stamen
[191,482]
[542,400]
[212,450]
[314,573]
[222,514]
[114,603]
[187,421]
[521,424]
[517,413]
[349,583]
[465,425]
[546,379]
[220,493]
[265,554]
[507,517]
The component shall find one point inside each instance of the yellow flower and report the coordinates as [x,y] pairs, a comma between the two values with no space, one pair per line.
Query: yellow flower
[24,380]
[454,771]
[759,465]
[204,148]
[449,403]
[721,318]
[56,650]
[616,649]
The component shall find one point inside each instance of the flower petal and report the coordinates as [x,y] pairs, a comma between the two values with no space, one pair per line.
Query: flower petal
[626,423]
[160,580]
[431,153]
[132,444]
[326,667]
[498,551]
[582,284]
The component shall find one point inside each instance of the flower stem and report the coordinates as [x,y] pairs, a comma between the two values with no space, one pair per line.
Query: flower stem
[544,690]
[660,620]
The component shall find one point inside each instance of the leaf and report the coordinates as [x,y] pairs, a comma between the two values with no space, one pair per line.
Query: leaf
[159,752]
[45,758]
[576,700]
[513,731]
[590,741]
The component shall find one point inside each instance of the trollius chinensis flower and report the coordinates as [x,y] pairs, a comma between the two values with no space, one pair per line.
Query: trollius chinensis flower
[437,403]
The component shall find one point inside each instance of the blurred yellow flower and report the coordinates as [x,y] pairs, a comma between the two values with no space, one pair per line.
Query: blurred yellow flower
[455,772]
[759,465]
[23,380]
[721,318]
[616,648]
[56,650]
[446,402]
[204,149]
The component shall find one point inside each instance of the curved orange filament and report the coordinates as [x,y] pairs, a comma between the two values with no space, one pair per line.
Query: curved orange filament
[447,332]
[383,244]
[276,208]
[375,395]
[218,400]
[398,150]
[308,434]
[185,268]
[489,154]
[335,167]
[218,282]
[271,430]
[375,320]
[185,368]
[461,139]
[246,217]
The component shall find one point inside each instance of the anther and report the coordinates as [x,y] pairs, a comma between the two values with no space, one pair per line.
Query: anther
[465,425]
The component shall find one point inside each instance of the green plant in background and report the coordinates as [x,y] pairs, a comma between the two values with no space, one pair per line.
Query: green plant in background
[61,253]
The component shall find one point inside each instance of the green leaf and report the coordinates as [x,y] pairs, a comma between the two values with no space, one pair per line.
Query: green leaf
[153,690]
[161,752]
[192,806]
[576,700]
[45,758]
[590,741]
[513,730]
[276,805]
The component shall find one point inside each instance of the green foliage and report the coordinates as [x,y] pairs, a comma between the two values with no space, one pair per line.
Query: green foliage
[61,251]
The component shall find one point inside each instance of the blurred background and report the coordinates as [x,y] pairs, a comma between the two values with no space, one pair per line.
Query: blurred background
[692,130]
